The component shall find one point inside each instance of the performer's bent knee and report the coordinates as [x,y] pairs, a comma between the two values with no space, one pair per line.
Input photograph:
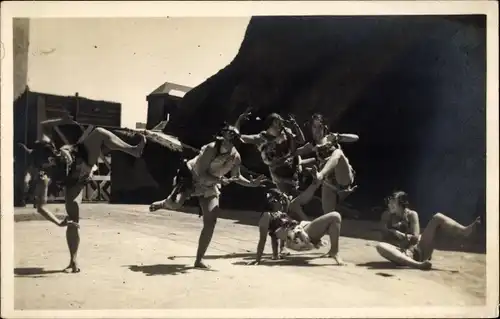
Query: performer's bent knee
[100,130]
[334,217]
[169,203]
[438,216]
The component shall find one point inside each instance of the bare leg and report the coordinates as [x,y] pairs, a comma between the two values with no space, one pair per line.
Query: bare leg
[329,199]
[395,255]
[343,170]
[174,201]
[101,137]
[327,224]
[444,225]
[332,162]
[210,209]
[283,250]
[305,197]
[73,201]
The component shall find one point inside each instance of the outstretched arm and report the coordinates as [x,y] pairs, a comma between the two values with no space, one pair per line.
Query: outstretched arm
[243,117]
[41,200]
[254,139]
[299,135]
[240,179]
[343,138]
[304,149]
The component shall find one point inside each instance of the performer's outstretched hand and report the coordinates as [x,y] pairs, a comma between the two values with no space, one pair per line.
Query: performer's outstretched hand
[246,115]
[259,181]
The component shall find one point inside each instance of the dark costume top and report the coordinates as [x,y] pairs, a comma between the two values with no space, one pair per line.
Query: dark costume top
[276,147]
[278,220]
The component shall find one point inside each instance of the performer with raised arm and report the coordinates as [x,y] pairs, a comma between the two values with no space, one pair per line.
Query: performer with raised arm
[335,175]
[299,236]
[202,177]
[277,146]
[400,225]
[70,167]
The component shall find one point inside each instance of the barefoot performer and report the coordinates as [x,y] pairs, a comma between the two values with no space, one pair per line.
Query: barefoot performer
[70,168]
[203,177]
[401,225]
[336,173]
[298,236]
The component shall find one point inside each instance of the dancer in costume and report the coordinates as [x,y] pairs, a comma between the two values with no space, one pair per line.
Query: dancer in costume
[70,167]
[277,146]
[400,225]
[202,177]
[298,236]
[335,175]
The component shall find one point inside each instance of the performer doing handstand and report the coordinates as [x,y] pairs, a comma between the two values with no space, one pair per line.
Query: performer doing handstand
[70,167]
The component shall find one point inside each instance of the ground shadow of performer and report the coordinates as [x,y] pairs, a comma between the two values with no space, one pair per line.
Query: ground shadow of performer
[70,167]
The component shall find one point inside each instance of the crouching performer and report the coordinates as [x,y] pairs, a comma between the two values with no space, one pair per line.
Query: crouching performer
[404,244]
[202,177]
[70,167]
[298,236]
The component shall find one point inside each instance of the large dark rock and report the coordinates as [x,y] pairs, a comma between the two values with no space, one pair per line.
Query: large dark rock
[412,87]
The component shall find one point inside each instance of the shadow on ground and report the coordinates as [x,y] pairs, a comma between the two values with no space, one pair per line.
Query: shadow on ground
[294,260]
[386,265]
[34,272]
[164,269]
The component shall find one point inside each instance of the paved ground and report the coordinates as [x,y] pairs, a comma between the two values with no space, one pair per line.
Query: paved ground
[134,259]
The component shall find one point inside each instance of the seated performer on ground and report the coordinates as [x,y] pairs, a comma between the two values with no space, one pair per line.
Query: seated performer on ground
[401,225]
[299,236]
[70,167]
[336,173]
[202,177]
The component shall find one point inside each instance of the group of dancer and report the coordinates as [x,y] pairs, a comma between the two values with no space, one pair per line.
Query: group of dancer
[284,149]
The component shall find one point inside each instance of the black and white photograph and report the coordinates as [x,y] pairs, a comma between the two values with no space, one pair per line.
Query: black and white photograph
[252,156]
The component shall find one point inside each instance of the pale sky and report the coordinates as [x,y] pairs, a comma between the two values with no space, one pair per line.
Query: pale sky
[123,60]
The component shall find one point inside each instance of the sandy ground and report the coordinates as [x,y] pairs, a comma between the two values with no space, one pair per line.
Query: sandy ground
[133,259]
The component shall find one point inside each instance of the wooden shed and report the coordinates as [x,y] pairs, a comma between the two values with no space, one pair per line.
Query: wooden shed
[164,102]
[30,108]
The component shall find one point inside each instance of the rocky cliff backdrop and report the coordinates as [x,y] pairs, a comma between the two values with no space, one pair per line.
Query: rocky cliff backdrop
[412,87]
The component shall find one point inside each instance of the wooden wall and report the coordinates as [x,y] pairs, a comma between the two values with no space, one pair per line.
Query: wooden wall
[33,107]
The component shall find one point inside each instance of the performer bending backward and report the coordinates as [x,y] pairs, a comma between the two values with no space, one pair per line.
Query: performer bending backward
[336,175]
[277,146]
[400,225]
[299,236]
[70,167]
[202,177]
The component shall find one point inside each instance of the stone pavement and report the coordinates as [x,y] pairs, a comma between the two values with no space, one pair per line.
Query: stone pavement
[131,258]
